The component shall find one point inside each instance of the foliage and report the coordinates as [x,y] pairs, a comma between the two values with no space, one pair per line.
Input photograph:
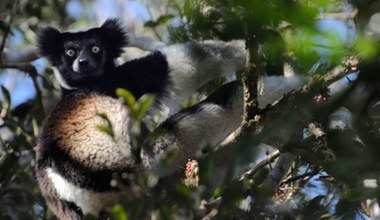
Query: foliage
[311,51]
[285,31]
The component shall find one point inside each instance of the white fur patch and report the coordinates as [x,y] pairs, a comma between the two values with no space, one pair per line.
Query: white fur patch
[272,88]
[61,80]
[193,64]
[89,201]
[76,65]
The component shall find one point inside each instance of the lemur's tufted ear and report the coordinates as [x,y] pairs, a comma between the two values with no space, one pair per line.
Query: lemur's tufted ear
[49,44]
[113,36]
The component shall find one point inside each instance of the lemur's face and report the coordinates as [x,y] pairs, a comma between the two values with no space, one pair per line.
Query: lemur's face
[84,56]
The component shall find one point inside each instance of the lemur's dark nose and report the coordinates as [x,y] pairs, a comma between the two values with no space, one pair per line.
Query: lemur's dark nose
[83,62]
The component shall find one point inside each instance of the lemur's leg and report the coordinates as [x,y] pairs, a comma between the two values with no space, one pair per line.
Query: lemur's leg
[62,209]
[209,122]
[193,129]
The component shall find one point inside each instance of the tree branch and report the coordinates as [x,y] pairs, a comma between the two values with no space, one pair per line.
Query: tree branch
[8,28]
[307,174]
[341,16]
[268,160]
[32,72]
[24,67]
[27,55]
[303,108]
[250,79]
[279,172]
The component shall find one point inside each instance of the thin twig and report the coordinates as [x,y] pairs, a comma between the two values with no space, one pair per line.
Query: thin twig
[279,172]
[32,72]
[24,67]
[268,160]
[2,142]
[39,94]
[27,55]
[8,28]
[341,16]
[307,174]
[153,28]
[28,138]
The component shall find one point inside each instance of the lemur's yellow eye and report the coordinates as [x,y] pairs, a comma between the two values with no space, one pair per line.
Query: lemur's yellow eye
[70,52]
[95,49]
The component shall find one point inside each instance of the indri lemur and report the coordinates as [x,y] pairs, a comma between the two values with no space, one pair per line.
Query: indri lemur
[75,161]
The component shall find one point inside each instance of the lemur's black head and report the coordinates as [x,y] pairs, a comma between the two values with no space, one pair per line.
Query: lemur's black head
[85,55]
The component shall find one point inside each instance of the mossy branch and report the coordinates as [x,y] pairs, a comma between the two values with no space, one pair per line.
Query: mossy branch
[250,80]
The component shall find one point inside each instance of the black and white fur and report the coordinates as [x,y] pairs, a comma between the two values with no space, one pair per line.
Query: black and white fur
[75,161]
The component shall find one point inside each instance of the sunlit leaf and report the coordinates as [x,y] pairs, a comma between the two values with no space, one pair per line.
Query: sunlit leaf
[365,48]
[6,103]
[106,129]
[217,192]
[160,21]
[127,97]
[119,213]
[142,106]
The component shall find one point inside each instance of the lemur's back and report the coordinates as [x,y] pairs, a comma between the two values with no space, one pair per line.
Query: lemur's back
[76,158]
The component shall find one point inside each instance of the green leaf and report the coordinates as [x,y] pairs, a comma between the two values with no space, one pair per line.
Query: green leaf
[127,97]
[119,212]
[142,106]
[217,192]
[184,191]
[106,129]
[7,165]
[108,126]
[261,176]
[104,116]
[160,21]
[365,47]
[6,98]
[36,129]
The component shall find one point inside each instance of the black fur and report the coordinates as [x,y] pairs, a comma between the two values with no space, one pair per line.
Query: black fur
[50,45]
[88,73]
[72,148]
[146,75]
[111,34]
[56,158]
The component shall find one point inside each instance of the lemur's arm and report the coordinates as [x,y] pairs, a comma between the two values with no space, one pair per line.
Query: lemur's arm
[196,61]
[144,43]
[175,72]
[193,64]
